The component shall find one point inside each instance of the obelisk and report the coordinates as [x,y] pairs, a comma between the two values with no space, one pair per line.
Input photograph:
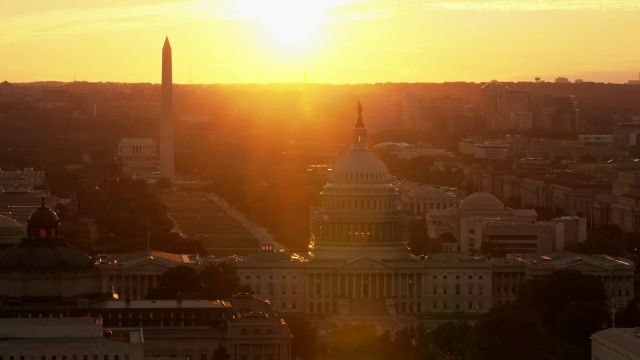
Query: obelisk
[166,115]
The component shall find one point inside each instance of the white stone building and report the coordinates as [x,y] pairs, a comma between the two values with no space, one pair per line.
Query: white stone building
[616,344]
[419,200]
[67,338]
[139,158]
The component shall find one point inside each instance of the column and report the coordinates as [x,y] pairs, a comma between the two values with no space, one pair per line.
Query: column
[384,294]
[353,285]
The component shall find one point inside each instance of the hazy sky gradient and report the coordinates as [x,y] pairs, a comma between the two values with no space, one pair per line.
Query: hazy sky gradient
[335,41]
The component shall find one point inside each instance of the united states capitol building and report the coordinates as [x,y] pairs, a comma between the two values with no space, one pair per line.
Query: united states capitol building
[358,263]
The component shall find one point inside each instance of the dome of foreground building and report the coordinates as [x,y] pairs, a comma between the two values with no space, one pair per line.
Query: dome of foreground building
[359,213]
[44,247]
[44,265]
[481,201]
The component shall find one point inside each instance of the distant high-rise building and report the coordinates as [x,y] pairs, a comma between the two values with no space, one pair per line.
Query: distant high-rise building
[506,108]
[559,112]
[167,169]
[492,94]
[562,80]
[412,110]
[381,113]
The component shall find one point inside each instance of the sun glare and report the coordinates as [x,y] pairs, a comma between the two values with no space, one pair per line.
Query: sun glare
[288,22]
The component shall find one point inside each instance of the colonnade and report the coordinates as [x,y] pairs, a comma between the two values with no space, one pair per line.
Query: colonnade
[359,231]
[134,286]
[365,285]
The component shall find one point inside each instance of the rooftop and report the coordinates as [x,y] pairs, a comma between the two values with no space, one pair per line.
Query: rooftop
[161,304]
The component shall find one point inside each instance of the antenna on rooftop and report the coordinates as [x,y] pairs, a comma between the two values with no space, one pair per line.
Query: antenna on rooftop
[148,239]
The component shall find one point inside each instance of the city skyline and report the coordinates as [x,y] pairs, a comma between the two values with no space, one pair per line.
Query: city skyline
[347,41]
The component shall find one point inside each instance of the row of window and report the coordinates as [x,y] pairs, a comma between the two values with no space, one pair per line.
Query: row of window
[444,277]
[359,204]
[405,307]
[284,277]
[512,237]
[445,289]
[457,306]
[270,289]
[65,357]
[256,331]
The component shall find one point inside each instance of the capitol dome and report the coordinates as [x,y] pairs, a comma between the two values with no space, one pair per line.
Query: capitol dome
[360,167]
[359,213]
[481,201]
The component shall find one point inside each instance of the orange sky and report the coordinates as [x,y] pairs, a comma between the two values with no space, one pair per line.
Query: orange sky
[335,41]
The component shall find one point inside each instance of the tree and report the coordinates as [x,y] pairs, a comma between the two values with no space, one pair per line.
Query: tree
[303,343]
[571,305]
[181,280]
[221,281]
[162,184]
[454,338]
[359,342]
[221,353]
[510,329]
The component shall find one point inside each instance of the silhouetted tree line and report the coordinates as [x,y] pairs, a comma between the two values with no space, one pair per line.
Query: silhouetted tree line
[129,215]
[213,282]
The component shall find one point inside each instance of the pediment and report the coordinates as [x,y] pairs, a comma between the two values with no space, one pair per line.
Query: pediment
[365,263]
[148,266]
[583,267]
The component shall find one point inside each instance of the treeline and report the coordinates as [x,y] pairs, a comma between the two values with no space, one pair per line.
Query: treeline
[129,216]
[213,282]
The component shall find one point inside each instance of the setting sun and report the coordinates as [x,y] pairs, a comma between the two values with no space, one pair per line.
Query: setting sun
[288,22]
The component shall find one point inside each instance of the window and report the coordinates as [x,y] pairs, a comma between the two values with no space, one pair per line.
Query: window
[470,290]
[480,277]
[293,289]
[480,290]
[435,290]
[284,289]
[270,289]
[444,290]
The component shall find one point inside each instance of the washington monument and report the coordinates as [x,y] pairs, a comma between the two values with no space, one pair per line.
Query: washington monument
[166,116]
